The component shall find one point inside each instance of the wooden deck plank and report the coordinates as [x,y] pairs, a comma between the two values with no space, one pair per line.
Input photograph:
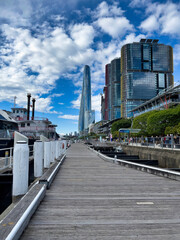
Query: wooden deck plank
[94,199]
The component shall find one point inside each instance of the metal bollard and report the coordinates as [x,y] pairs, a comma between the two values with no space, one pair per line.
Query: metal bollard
[20,169]
[38,158]
[47,154]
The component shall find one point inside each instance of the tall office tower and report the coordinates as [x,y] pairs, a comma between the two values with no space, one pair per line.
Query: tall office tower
[86,115]
[115,88]
[146,69]
[112,97]
[103,105]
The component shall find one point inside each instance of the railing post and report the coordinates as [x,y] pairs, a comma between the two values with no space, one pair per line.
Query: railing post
[60,148]
[47,154]
[38,158]
[10,159]
[172,140]
[20,169]
[57,149]
[52,151]
[162,142]
[6,158]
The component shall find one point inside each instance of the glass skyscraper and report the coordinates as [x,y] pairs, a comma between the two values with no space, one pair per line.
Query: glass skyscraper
[112,93]
[86,115]
[146,69]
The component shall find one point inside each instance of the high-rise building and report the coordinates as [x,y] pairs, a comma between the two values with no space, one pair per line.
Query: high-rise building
[86,115]
[112,92]
[146,69]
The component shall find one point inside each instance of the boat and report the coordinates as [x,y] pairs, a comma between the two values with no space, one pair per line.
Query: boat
[35,126]
[7,127]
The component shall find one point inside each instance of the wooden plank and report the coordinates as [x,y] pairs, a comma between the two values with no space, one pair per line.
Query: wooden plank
[13,219]
[94,199]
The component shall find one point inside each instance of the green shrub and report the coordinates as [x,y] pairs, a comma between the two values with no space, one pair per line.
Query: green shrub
[122,123]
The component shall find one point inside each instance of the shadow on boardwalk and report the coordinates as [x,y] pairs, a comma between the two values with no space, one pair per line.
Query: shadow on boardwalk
[94,199]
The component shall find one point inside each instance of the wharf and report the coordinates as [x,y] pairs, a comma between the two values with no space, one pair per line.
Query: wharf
[94,199]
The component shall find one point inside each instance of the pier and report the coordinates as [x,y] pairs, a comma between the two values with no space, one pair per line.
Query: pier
[95,199]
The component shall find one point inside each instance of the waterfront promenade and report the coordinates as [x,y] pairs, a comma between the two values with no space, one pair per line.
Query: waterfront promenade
[94,199]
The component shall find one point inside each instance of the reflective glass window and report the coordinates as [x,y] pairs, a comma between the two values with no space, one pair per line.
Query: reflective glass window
[145,65]
[146,52]
[161,80]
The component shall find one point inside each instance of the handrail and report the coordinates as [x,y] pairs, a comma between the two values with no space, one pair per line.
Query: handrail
[6,162]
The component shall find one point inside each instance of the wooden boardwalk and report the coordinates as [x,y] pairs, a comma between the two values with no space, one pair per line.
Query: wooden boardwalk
[91,199]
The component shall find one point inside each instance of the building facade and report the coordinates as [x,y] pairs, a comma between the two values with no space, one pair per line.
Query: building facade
[164,100]
[111,99]
[86,115]
[146,69]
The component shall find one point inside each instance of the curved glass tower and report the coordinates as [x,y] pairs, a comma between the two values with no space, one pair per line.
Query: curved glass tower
[86,115]
[146,69]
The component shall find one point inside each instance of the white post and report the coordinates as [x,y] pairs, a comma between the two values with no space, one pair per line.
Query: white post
[52,151]
[20,168]
[38,158]
[60,148]
[57,149]
[65,145]
[19,137]
[47,154]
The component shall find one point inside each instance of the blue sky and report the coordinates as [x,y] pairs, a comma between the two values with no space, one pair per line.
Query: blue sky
[44,46]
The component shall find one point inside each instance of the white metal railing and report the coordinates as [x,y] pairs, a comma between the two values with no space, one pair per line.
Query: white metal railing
[6,157]
[172,142]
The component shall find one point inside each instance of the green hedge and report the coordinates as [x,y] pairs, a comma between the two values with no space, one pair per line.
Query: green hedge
[158,122]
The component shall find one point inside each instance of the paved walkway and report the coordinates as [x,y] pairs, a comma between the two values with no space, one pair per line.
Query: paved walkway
[91,199]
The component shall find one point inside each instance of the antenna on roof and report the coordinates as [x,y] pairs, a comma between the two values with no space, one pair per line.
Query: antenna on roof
[15,101]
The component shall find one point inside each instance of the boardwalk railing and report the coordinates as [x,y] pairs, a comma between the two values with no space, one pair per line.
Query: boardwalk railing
[25,206]
[6,160]
[17,159]
[172,142]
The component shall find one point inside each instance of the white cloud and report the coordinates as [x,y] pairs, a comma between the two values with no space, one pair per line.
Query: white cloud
[150,24]
[82,34]
[139,3]
[60,103]
[76,103]
[72,117]
[34,63]
[121,26]
[163,18]
[105,10]
[44,105]
[57,94]
[177,54]
[17,14]
[96,103]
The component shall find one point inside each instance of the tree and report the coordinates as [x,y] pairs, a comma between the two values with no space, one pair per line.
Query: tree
[140,122]
[122,123]
[173,130]
[159,121]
